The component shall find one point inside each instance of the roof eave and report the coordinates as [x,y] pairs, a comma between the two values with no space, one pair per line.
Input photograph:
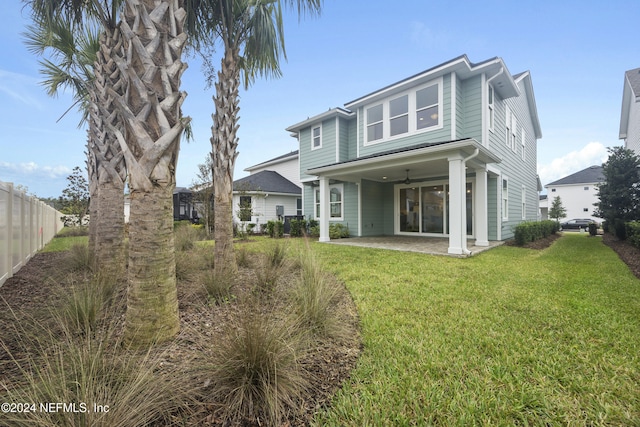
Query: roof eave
[333,112]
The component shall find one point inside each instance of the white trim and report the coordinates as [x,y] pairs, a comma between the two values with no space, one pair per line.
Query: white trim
[317,202]
[523,143]
[359,186]
[504,208]
[337,140]
[454,104]
[523,202]
[313,137]
[413,127]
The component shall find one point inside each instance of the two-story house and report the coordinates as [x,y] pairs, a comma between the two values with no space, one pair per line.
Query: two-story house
[448,152]
[630,116]
[578,193]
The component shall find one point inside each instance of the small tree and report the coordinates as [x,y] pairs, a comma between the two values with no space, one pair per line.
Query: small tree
[557,211]
[75,197]
[620,192]
[202,189]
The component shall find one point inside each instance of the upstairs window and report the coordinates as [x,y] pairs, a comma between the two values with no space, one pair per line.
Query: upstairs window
[399,115]
[403,114]
[427,114]
[316,137]
[375,126]
[491,107]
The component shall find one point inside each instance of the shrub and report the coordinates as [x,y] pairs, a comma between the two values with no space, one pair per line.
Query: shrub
[255,370]
[338,231]
[633,233]
[314,228]
[186,235]
[275,229]
[529,231]
[593,229]
[620,229]
[298,227]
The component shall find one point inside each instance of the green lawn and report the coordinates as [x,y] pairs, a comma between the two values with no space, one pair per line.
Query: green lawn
[509,337]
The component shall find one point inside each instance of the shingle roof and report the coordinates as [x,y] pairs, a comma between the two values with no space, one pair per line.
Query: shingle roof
[589,175]
[268,182]
[634,80]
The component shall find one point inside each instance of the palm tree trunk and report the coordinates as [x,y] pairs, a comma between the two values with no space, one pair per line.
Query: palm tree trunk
[224,142]
[108,243]
[151,110]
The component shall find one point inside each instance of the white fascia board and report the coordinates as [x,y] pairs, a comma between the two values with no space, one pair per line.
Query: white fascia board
[291,156]
[437,150]
[531,100]
[334,112]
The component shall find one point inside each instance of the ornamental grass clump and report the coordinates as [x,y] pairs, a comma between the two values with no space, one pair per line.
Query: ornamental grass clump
[315,296]
[90,381]
[255,370]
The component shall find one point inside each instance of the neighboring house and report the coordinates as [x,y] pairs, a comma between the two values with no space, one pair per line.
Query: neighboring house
[578,192]
[630,116]
[450,151]
[544,207]
[183,206]
[269,193]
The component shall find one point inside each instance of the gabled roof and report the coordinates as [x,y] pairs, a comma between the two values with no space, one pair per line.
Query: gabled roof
[590,175]
[275,160]
[266,182]
[331,113]
[495,69]
[630,94]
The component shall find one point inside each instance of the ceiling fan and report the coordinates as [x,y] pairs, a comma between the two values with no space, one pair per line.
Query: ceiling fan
[407,181]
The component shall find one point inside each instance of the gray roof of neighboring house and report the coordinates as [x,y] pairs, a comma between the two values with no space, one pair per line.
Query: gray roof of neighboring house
[589,175]
[274,160]
[268,182]
[634,80]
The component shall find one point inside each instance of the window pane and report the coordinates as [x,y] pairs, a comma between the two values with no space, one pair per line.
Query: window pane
[374,132]
[399,125]
[427,118]
[316,132]
[426,97]
[335,195]
[374,114]
[336,210]
[399,106]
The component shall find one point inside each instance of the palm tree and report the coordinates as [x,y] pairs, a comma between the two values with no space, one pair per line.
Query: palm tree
[56,22]
[147,129]
[252,34]
[150,108]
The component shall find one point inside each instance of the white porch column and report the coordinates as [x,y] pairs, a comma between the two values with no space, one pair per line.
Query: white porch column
[481,208]
[457,200]
[324,209]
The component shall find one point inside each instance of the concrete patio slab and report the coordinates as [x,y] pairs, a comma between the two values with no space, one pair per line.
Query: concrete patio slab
[426,245]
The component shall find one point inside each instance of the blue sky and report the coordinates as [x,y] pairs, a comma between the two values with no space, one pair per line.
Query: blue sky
[577,53]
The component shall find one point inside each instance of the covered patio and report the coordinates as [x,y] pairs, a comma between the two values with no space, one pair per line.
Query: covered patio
[426,245]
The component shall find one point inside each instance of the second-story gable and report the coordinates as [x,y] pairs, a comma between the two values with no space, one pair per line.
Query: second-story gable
[452,101]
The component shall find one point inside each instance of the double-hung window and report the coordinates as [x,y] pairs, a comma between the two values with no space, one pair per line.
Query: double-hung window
[505,199]
[375,126]
[399,115]
[316,137]
[335,202]
[491,107]
[427,114]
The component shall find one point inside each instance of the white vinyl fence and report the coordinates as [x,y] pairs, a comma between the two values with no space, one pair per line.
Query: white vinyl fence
[26,225]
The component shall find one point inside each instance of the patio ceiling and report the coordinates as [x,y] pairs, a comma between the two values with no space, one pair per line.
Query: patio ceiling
[423,161]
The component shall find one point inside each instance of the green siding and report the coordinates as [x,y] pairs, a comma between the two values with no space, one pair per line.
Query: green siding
[324,155]
[374,196]
[472,107]
[437,135]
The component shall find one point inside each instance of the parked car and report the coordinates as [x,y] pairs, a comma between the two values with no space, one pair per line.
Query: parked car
[576,224]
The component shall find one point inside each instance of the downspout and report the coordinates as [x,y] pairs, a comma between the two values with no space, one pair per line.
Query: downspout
[475,153]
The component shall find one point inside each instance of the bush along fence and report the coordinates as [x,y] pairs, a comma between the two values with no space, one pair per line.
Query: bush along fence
[26,225]
[530,231]
[632,231]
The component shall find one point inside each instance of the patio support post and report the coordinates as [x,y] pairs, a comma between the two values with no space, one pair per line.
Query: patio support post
[481,208]
[457,200]
[324,209]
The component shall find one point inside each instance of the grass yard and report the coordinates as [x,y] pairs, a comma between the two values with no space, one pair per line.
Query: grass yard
[510,337]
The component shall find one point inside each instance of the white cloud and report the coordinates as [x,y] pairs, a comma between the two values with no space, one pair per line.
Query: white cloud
[594,153]
[32,168]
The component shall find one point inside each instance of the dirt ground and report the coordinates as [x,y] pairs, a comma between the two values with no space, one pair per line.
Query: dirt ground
[29,291]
